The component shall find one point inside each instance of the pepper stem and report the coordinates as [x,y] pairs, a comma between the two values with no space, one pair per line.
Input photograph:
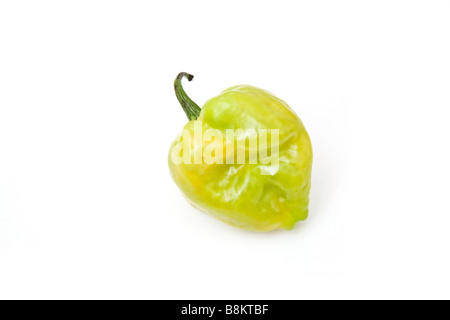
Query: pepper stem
[191,109]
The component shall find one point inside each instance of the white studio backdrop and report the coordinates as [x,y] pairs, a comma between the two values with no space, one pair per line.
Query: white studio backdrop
[87,115]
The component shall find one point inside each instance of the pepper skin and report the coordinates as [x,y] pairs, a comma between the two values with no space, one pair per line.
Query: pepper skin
[239,194]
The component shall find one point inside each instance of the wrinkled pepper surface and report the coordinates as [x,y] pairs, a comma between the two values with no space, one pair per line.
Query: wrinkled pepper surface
[252,196]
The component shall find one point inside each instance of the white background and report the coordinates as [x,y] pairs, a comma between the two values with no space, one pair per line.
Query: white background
[87,114]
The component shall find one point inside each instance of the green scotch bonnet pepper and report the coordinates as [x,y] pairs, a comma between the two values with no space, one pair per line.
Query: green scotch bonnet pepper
[261,174]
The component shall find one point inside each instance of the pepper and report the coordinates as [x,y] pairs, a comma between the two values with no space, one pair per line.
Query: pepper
[269,193]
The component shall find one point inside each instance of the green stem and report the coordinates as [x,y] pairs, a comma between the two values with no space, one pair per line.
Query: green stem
[191,109]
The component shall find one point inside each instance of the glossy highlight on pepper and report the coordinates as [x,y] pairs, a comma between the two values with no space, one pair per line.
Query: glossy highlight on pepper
[271,192]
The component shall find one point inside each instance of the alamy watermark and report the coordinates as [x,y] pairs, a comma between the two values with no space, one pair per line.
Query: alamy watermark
[252,147]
